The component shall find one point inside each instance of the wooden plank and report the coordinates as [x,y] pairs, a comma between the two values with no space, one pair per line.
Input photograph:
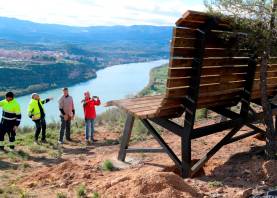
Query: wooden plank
[147,108]
[184,32]
[227,97]
[164,102]
[209,87]
[196,16]
[272,67]
[142,108]
[182,22]
[270,74]
[220,70]
[146,114]
[186,62]
[225,61]
[131,106]
[189,52]
[257,93]
[183,62]
[212,42]
[177,82]
[225,103]
[132,100]
[170,101]
[273,60]
[184,81]
[130,103]
[182,92]
[201,16]
[175,112]
[271,83]
[183,42]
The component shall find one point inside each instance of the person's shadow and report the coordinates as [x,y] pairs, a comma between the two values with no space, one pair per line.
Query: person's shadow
[241,170]
[7,165]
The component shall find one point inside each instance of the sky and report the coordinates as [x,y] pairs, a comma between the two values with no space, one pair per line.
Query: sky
[99,12]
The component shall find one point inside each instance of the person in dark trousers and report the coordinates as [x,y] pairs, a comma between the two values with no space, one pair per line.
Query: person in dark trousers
[67,110]
[90,115]
[37,113]
[11,117]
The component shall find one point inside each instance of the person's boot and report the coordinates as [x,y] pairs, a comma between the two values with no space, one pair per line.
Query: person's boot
[69,139]
[2,150]
[88,142]
[12,147]
[44,141]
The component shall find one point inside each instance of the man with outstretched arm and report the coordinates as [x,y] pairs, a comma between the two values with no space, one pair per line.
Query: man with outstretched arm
[11,117]
[37,113]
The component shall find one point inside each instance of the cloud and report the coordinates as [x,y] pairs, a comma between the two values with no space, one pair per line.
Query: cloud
[99,12]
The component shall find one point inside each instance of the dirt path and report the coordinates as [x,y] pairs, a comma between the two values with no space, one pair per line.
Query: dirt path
[236,167]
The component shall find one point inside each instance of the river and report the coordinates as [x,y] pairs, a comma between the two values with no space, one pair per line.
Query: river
[112,83]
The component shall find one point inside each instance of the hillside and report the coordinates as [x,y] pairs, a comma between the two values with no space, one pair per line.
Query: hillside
[34,55]
[157,81]
[79,170]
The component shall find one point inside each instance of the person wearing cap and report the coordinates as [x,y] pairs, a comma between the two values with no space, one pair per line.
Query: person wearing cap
[90,115]
[11,117]
[67,110]
[37,113]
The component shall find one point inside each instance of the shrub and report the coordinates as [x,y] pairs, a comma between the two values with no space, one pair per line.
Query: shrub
[95,195]
[81,191]
[215,184]
[107,165]
[61,195]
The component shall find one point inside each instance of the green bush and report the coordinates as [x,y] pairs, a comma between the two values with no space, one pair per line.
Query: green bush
[215,184]
[81,191]
[61,195]
[95,195]
[107,165]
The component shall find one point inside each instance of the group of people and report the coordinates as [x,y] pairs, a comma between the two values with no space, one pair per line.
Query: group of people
[11,117]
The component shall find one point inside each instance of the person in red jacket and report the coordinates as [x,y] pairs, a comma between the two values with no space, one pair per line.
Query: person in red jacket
[90,115]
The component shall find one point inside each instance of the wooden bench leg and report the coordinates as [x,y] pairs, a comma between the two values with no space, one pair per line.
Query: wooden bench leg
[126,137]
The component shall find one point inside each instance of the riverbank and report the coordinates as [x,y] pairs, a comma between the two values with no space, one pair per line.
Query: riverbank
[85,74]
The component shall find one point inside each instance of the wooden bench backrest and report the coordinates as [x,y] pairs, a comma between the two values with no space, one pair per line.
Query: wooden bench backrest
[224,69]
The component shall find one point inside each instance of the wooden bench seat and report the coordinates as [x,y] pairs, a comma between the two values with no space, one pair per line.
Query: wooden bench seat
[149,106]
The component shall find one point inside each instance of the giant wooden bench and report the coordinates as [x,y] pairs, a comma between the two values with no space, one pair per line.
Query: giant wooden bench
[205,71]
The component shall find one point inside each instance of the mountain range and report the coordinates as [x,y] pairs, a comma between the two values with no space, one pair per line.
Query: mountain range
[26,46]
[30,32]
